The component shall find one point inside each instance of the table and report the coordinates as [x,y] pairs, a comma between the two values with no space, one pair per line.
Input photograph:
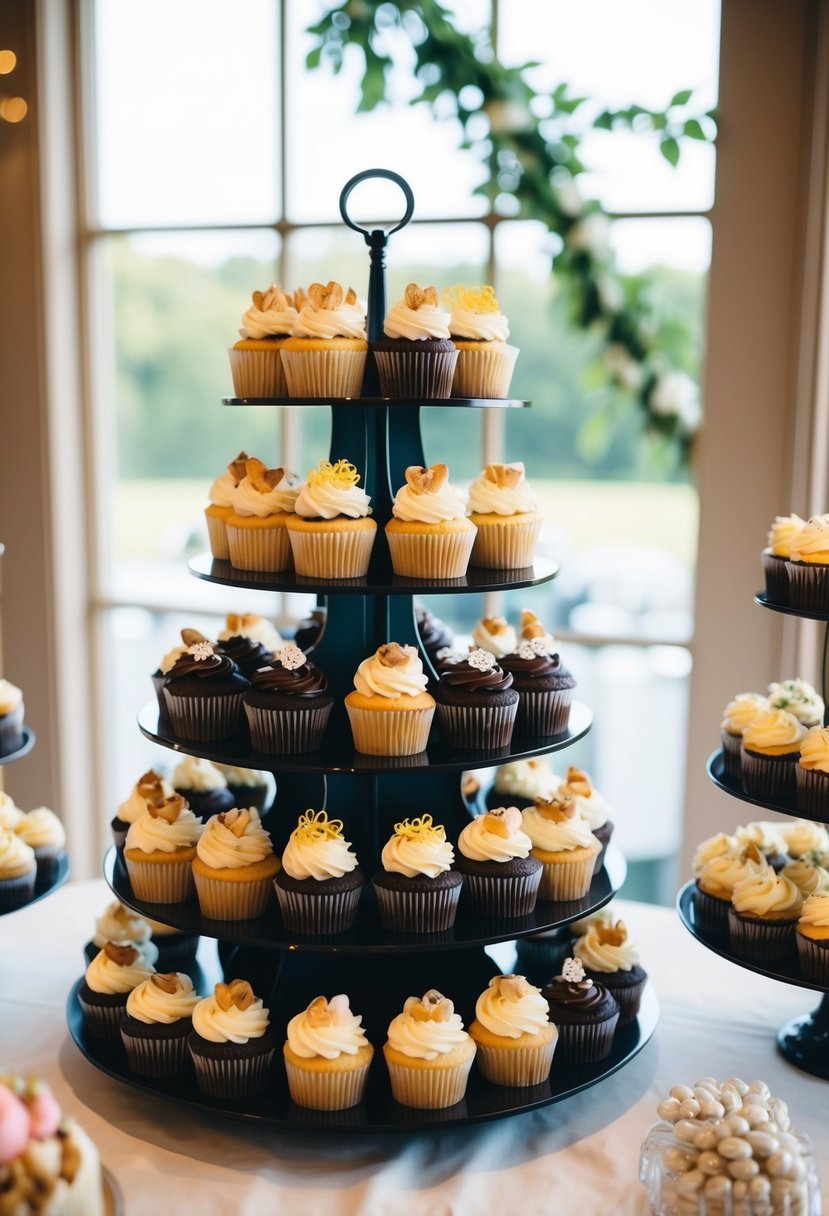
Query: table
[580,1156]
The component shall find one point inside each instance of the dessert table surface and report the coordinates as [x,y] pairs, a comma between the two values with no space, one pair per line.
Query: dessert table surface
[577,1156]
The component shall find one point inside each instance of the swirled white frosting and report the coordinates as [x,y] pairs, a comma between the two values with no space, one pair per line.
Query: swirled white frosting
[807,876]
[592,808]
[479,844]
[412,857]
[605,956]
[231,1025]
[195,773]
[714,846]
[329,501]
[220,849]
[151,1004]
[814,752]
[339,1032]
[281,499]
[775,728]
[761,894]
[117,923]
[556,837]
[321,859]
[416,324]
[799,698]
[745,707]
[428,508]
[106,976]
[10,697]
[811,543]
[527,779]
[16,857]
[10,815]
[720,875]
[487,498]
[151,835]
[136,805]
[374,678]
[499,641]
[258,323]
[221,491]
[767,836]
[782,531]
[478,326]
[801,836]
[347,321]
[425,1040]
[258,629]
[815,911]
[41,828]
[507,1017]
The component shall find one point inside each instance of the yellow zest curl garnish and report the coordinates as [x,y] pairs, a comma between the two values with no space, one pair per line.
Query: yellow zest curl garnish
[472,299]
[343,474]
[421,828]
[314,826]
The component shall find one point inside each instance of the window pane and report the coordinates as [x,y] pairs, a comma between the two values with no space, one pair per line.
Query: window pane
[186,112]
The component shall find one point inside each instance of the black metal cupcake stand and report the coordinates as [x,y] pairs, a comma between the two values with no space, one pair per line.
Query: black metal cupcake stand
[376,967]
[804,1041]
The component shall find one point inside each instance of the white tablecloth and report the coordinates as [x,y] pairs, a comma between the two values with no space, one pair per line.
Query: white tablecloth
[578,1157]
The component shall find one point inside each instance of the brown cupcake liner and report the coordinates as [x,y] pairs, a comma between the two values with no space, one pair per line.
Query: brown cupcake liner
[161,1057]
[287,732]
[808,586]
[515,895]
[233,1077]
[415,373]
[334,554]
[710,913]
[478,728]
[431,554]
[324,373]
[628,997]
[543,713]
[266,549]
[516,1066]
[339,1090]
[814,959]
[565,880]
[161,882]
[217,535]
[777,577]
[103,1021]
[258,373]
[205,718]
[418,911]
[15,892]
[732,759]
[812,792]
[586,1042]
[224,900]
[484,372]
[307,913]
[378,732]
[759,940]
[603,835]
[771,778]
[429,1088]
[506,546]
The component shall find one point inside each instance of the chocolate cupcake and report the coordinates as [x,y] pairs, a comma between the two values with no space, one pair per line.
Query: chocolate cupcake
[11,717]
[812,938]
[500,878]
[189,637]
[249,787]
[246,653]
[417,890]
[476,704]
[232,1044]
[436,638]
[608,956]
[768,838]
[108,981]
[770,753]
[157,1024]
[309,631]
[737,715]
[43,831]
[585,1013]
[204,691]
[544,687]
[319,885]
[288,705]
[150,787]
[520,782]
[777,553]
[18,871]
[203,786]
[416,357]
[719,864]
[763,917]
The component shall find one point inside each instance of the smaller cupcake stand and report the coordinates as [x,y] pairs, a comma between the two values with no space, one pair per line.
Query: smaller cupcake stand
[804,1041]
[377,968]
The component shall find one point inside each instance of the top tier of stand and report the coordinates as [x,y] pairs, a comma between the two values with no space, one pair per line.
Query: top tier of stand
[24,749]
[397,403]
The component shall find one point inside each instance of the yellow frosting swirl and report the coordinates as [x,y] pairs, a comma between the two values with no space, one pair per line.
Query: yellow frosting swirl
[555,837]
[807,876]
[714,846]
[720,875]
[745,707]
[479,843]
[768,837]
[417,848]
[811,543]
[106,976]
[766,894]
[150,1004]
[782,531]
[815,911]
[281,498]
[326,1029]
[428,508]
[221,849]
[486,497]
[10,697]
[332,490]
[10,815]
[41,828]
[606,956]
[16,857]
[317,849]
[802,836]
[774,729]
[511,1007]
[814,750]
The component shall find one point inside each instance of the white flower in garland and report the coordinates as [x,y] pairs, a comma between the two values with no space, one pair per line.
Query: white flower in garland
[481,659]
[568,196]
[621,365]
[590,234]
[676,395]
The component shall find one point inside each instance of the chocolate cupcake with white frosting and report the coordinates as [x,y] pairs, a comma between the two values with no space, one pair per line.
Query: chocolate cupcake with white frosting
[118,923]
[417,890]
[520,782]
[609,956]
[416,357]
[500,878]
[150,787]
[18,871]
[109,979]
[203,786]
[43,831]
[319,885]
[157,1023]
[770,753]
[232,1043]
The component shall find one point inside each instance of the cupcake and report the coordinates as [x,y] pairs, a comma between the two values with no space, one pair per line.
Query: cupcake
[288,704]
[159,848]
[118,923]
[800,699]
[608,955]
[763,916]
[808,566]
[476,703]
[156,1024]
[246,652]
[544,687]
[737,715]
[150,787]
[770,753]
[584,1011]
[717,875]
[11,718]
[714,846]
[429,535]
[331,533]
[520,782]
[176,949]
[812,938]
[189,637]
[769,839]
[495,634]
[428,1053]
[252,625]
[416,357]
[220,506]
[232,1044]
[256,359]
[234,866]
[326,353]
[804,838]
[479,330]
[436,638]
[390,710]
[319,885]
[247,786]
[310,631]
[808,876]
[10,814]
[506,516]
[18,871]
[203,786]
[262,504]
[777,554]
[203,692]
[500,878]
[812,774]
[565,846]
[591,807]
[327,1055]
[513,1032]
[109,979]
[43,831]
[417,890]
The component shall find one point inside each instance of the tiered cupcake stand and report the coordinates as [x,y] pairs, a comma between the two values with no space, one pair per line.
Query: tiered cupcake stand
[376,967]
[804,1040]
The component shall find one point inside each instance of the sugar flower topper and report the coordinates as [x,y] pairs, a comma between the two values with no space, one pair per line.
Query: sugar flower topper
[481,660]
[572,970]
[201,651]
[472,299]
[314,826]
[532,649]
[342,474]
[421,829]
[291,657]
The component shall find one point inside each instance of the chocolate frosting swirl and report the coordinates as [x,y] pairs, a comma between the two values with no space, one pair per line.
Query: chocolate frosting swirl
[538,665]
[304,681]
[462,675]
[434,635]
[246,653]
[212,667]
[584,996]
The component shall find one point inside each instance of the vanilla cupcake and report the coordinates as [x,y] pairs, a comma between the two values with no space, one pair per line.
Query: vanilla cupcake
[326,353]
[804,837]
[158,852]
[10,813]
[506,516]
[479,330]
[234,866]
[18,871]
[812,938]
[495,634]
[429,535]
[513,1032]
[763,916]
[607,954]
[390,710]
[319,884]
[500,878]
[220,505]
[520,782]
[591,806]
[43,831]
[737,715]
[812,774]
[150,787]
[157,1023]
[809,877]
[109,979]
[770,753]
[777,554]
[232,1044]
[808,566]
[256,359]
[415,357]
[327,1055]
[428,1053]
[262,503]
[118,923]
[717,876]
[417,890]
[330,532]
[11,717]
[769,839]
[565,846]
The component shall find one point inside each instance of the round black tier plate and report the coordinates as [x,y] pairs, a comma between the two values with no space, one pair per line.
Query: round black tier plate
[804,1041]
[402,403]
[763,600]
[42,890]
[378,1112]
[368,936]
[343,758]
[379,580]
[716,771]
[24,749]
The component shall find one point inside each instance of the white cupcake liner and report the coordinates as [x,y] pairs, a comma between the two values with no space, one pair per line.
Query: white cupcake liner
[223,900]
[760,940]
[418,911]
[234,1077]
[161,882]
[430,554]
[378,732]
[484,372]
[161,1057]
[258,373]
[732,760]
[543,713]
[812,792]
[205,718]
[429,1088]
[307,913]
[566,880]
[416,374]
[516,1066]
[586,1042]
[324,373]
[506,546]
[103,1021]
[217,535]
[266,549]
[514,895]
[287,732]
[478,728]
[338,1090]
[340,553]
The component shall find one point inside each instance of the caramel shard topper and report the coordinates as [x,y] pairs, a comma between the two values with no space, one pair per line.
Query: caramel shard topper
[151,788]
[503,821]
[426,481]
[238,622]
[235,821]
[558,808]
[611,935]
[506,476]
[327,1013]
[123,954]
[415,297]
[329,297]
[261,477]
[167,981]
[350,298]
[236,468]
[433,1006]
[752,853]
[273,298]
[531,626]
[300,299]
[578,782]
[169,809]
[394,655]
[237,992]
[192,637]
[495,624]
[511,987]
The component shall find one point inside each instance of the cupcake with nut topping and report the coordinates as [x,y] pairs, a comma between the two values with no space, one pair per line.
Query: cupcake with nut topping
[804,838]
[808,876]
[500,878]
[326,353]
[812,938]
[319,885]
[777,553]
[717,873]
[507,518]
[232,1044]
[109,979]
[416,357]
[150,787]
[390,710]
[189,637]
[262,503]
[585,1013]
[564,844]
[220,505]
[429,535]
[203,692]
[513,1032]
[288,704]
[118,923]
[203,787]
[769,839]
[812,774]
[428,1053]
[327,1055]
[476,703]
[18,871]
[763,916]
[331,532]
[543,683]
[737,715]
[520,782]
[417,890]
[479,330]
[609,956]
[159,849]
[251,625]
[156,1024]
[495,634]
[769,755]
[256,360]
[234,866]
[591,806]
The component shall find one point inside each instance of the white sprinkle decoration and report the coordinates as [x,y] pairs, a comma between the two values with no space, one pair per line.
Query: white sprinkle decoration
[291,657]
[572,970]
[201,651]
[481,659]
[539,646]
[526,650]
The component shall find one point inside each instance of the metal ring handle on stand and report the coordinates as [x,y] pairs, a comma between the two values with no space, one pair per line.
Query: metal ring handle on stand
[366,175]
